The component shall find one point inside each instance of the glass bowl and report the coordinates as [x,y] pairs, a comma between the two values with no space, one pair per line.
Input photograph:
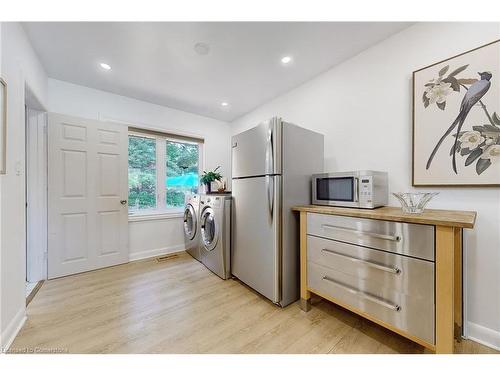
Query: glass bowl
[414,203]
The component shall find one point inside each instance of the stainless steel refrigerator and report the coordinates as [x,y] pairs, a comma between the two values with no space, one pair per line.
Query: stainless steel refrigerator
[272,166]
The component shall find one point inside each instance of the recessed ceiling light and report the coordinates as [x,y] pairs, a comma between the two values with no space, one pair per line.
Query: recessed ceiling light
[286,59]
[202,48]
[224,104]
[105,66]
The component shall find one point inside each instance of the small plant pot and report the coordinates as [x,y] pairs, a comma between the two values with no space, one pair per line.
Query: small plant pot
[208,188]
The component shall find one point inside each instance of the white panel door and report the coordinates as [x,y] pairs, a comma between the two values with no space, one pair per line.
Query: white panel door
[88,189]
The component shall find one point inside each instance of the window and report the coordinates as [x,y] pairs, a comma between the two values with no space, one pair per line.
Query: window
[162,169]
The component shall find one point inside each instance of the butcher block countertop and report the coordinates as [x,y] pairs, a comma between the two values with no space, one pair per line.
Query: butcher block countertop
[447,218]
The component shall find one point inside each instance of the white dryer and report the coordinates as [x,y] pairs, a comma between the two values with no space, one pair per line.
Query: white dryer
[215,233]
[191,226]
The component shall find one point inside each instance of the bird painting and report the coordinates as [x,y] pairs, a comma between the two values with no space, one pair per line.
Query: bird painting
[472,96]
[482,144]
[456,122]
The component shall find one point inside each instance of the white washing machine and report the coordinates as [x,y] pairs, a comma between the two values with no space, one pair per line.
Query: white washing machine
[215,233]
[191,226]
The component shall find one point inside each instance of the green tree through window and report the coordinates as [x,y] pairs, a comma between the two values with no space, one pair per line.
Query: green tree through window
[141,172]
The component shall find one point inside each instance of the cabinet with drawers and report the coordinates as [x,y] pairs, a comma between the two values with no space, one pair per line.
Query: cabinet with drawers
[402,273]
[395,288]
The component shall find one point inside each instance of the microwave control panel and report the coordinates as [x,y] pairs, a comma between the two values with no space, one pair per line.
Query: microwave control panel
[365,191]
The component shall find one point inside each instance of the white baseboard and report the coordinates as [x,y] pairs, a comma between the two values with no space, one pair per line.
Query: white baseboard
[156,252]
[483,335]
[10,333]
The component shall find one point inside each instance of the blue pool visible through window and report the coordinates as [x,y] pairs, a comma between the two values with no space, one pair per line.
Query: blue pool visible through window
[182,172]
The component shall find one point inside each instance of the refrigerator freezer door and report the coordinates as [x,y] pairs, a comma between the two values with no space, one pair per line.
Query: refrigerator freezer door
[255,257]
[257,152]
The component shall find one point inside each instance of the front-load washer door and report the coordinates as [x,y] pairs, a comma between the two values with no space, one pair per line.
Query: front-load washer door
[209,229]
[189,222]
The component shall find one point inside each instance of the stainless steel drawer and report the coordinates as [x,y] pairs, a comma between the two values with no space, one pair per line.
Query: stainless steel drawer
[395,272]
[402,238]
[410,313]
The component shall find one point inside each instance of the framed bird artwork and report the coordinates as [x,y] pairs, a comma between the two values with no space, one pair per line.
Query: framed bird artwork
[456,120]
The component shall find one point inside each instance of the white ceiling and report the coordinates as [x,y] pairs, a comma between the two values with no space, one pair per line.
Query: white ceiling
[156,62]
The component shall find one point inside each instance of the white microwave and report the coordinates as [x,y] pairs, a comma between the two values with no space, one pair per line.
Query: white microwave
[360,189]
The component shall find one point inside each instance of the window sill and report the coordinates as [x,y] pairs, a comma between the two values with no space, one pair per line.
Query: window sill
[148,216]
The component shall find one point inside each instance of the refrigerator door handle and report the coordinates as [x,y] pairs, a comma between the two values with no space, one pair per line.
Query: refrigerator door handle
[270,194]
[270,150]
[276,184]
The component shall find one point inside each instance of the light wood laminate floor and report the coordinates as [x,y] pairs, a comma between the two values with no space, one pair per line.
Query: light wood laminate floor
[178,306]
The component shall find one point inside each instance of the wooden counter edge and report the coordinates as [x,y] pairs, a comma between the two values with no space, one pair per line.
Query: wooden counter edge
[446,218]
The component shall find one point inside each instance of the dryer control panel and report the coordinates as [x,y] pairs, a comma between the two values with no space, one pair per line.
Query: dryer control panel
[212,201]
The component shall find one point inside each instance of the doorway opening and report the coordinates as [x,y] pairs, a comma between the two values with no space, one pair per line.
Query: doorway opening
[36,194]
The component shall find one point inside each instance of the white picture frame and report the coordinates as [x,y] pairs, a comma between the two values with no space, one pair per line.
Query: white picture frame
[456,120]
[3,126]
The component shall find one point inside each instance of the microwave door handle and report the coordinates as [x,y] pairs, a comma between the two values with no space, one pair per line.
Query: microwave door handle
[355,189]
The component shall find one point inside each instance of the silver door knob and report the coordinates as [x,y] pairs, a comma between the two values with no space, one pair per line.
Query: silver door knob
[124,201]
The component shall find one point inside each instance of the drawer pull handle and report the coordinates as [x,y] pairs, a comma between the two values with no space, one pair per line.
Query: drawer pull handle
[394,270]
[369,234]
[364,295]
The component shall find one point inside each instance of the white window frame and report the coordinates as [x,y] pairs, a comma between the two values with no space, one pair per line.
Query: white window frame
[161,210]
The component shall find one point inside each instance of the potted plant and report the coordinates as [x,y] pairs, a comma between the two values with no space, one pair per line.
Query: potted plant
[208,177]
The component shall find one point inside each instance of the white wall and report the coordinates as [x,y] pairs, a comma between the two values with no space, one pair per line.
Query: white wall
[2,338]
[151,237]
[20,68]
[363,107]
